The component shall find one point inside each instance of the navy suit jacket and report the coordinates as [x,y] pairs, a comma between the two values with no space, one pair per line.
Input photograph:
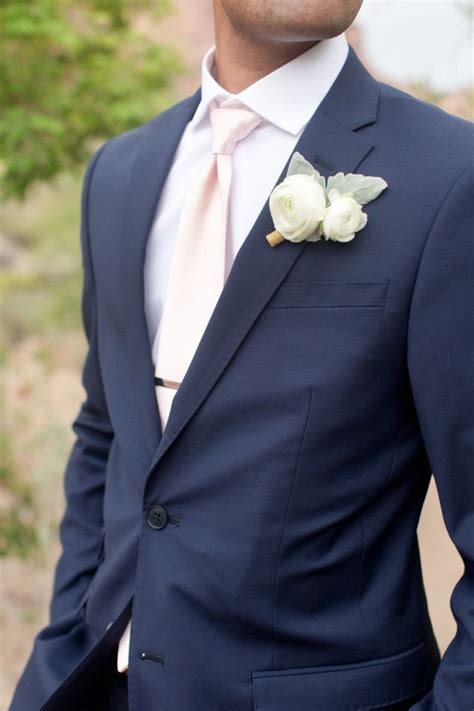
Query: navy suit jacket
[331,381]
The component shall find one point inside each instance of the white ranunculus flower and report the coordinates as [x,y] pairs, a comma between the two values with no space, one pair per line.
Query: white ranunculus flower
[297,207]
[342,219]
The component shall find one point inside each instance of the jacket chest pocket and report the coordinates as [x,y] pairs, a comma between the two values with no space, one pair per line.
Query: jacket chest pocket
[330,294]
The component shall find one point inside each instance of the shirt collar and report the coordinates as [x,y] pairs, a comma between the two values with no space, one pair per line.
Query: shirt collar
[288,96]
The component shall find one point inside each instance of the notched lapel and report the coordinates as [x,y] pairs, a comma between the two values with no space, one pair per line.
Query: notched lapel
[135,368]
[329,141]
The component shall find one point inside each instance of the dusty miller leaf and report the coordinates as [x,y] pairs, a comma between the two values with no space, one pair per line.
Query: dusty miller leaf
[363,188]
[299,165]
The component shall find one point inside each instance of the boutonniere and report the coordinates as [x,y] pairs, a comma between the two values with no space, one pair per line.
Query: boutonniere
[304,207]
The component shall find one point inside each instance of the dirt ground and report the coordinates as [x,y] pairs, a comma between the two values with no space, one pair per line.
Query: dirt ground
[43,393]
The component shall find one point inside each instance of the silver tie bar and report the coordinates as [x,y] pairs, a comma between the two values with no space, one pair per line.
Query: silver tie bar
[166,383]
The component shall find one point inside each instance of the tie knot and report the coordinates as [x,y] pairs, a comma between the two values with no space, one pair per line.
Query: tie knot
[229,125]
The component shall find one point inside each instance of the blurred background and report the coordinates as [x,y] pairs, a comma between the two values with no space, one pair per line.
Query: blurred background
[72,74]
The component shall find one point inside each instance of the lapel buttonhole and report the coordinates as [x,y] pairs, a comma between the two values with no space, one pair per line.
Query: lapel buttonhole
[319,160]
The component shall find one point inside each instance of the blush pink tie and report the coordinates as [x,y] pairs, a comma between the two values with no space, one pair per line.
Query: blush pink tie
[197,272]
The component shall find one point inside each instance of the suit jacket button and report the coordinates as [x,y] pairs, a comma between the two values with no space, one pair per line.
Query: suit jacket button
[157,517]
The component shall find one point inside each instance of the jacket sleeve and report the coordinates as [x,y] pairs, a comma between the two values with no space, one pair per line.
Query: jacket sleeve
[80,529]
[441,369]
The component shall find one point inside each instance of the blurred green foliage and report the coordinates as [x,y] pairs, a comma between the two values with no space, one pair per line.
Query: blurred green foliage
[40,288]
[71,73]
[18,535]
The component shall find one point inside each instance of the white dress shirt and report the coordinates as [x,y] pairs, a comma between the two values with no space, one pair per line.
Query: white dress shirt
[286,99]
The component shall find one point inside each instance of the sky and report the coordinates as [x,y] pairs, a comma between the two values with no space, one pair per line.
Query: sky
[429,40]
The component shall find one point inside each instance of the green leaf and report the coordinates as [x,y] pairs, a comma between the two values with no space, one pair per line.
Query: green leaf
[363,188]
[95,76]
[299,165]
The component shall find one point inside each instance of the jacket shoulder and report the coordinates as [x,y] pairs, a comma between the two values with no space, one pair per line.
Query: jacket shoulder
[438,134]
[115,155]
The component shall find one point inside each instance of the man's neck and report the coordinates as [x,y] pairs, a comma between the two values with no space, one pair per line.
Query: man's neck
[240,61]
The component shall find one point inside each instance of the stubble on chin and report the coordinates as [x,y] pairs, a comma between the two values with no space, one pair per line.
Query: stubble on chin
[276,21]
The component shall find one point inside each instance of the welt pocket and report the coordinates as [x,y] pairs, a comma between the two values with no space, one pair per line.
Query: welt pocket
[361,686]
[330,294]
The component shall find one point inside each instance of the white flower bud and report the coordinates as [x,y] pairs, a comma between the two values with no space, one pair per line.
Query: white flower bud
[342,219]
